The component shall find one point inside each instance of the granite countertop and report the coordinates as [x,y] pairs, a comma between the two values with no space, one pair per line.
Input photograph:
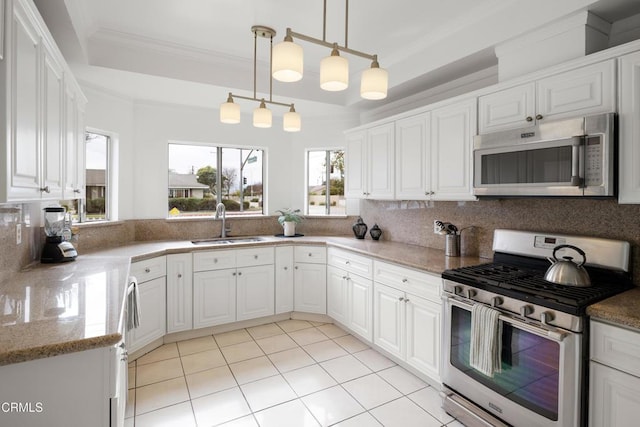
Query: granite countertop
[52,309]
[623,309]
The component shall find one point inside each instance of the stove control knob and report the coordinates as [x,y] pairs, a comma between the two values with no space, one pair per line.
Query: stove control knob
[526,310]
[471,293]
[546,317]
[496,301]
[457,290]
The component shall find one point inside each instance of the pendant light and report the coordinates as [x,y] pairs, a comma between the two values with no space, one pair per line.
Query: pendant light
[334,71]
[374,82]
[229,111]
[291,120]
[288,59]
[262,116]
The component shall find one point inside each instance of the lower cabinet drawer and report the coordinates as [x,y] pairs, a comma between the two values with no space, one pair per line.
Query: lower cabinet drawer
[149,269]
[311,254]
[616,347]
[416,282]
[254,256]
[214,260]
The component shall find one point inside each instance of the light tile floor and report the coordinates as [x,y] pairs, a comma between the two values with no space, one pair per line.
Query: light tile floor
[287,374]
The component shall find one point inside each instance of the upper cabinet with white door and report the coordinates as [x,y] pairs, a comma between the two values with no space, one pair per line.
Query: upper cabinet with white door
[585,91]
[34,93]
[370,163]
[452,130]
[629,131]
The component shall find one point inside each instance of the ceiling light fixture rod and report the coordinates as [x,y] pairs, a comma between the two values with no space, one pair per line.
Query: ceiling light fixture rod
[248,98]
[345,49]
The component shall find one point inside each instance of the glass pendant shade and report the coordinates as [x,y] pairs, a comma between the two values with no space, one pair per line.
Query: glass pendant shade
[334,72]
[230,112]
[374,83]
[291,121]
[288,61]
[262,116]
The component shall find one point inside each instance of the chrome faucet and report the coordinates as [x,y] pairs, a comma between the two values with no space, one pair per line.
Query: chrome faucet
[221,210]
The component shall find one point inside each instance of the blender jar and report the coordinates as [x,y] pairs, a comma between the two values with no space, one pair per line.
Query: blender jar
[54,221]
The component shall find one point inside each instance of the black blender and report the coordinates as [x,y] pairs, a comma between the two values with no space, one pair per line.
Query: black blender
[58,230]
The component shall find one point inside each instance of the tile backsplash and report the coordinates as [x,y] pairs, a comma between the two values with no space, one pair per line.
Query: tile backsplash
[400,221]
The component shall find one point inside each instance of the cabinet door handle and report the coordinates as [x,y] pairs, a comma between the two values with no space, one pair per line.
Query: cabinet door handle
[539,117]
[45,189]
[147,270]
[529,119]
[76,190]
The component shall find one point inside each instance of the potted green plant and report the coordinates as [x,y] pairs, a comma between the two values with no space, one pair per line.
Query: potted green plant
[288,219]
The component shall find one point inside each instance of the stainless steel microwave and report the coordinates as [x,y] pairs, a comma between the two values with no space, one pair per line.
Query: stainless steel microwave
[574,157]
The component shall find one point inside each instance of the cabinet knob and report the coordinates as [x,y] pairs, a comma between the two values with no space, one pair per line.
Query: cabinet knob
[45,189]
[255,257]
[347,262]
[179,276]
[76,190]
[310,254]
[405,280]
[406,300]
[401,299]
[286,268]
[529,119]
[344,277]
[233,274]
[147,270]
[296,267]
[239,273]
[215,260]
[539,117]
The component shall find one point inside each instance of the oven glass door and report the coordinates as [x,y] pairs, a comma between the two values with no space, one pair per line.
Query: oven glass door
[530,365]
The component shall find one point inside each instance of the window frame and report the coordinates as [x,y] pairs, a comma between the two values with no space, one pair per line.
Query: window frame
[327,176]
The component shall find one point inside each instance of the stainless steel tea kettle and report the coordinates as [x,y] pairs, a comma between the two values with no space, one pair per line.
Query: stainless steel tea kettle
[566,272]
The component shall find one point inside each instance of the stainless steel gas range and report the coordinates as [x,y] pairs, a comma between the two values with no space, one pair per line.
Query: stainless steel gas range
[543,334]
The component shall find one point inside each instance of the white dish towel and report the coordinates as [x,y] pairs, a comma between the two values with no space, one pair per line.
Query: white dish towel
[133,304]
[486,340]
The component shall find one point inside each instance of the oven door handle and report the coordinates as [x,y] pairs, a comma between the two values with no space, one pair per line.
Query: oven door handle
[548,332]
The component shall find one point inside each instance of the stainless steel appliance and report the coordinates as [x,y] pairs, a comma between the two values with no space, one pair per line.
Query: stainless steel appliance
[544,349]
[574,157]
[57,227]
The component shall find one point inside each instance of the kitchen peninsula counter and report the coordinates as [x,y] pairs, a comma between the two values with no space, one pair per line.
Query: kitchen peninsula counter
[53,309]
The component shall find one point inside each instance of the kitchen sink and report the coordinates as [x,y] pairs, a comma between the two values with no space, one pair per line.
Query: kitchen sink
[226,240]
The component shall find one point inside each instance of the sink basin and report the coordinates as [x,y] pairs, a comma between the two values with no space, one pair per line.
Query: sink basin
[226,240]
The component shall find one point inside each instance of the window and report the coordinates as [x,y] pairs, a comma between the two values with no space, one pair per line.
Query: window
[326,166]
[199,173]
[95,206]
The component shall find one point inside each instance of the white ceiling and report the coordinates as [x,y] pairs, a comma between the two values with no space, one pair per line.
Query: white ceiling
[195,51]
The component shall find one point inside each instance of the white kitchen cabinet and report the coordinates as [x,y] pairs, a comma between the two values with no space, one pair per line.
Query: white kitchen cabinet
[350,291]
[255,292]
[337,294]
[153,312]
[389,314]
[413,157]
[34,83]
[452,130]
[629,129]
[179,292]
[406,312]
[614,384]
[585,91]
[370,165]
[231,285]
[310,279]
[214,297]
[79,389]
[284,279]
[151,276]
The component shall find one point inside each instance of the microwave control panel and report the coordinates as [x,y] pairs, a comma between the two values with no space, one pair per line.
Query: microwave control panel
[593,161]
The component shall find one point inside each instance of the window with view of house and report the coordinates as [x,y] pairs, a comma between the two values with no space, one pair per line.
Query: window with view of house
[325,183]
[201,176]
[96,204]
